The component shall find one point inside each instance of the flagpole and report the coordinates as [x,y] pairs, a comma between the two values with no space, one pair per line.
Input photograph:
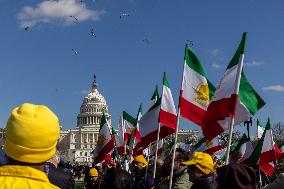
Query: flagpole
[260,180]
[147,161]
[232,121]
[156,153]
[176,133]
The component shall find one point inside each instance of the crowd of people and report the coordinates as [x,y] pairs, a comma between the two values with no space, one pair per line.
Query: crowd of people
[32,132]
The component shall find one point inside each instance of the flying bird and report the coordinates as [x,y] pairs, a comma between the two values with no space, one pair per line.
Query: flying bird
[124,14]
[93,33]
[146,40]
[76,51]
[26,28]
[74,17]
[189,42]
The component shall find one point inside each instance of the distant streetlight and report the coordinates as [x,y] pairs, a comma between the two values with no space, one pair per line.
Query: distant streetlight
[248,124]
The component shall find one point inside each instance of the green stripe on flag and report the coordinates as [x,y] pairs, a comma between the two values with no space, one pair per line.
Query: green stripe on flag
[243,140]
[103,121]
[249,97]
[193,62]
[236,58]
[165,81]
[257,151]
[129,118]
[156,93]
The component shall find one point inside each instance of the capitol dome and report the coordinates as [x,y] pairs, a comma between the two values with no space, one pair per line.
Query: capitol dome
[94,104]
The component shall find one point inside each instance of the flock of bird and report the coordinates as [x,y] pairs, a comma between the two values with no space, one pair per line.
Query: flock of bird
[123,15]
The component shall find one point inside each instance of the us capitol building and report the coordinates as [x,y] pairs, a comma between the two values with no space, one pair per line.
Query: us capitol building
[75,145]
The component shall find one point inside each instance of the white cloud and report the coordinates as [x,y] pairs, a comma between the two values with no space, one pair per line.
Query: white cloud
[215,52]
[216,66]
[276,88]
[84,92]
[57,12]
[254,63]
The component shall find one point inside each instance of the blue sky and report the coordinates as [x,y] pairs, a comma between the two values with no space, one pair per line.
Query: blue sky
[39,66]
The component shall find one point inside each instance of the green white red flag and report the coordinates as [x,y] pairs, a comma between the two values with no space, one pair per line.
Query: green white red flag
[260,129]
[162,112]
[227,103]
[129,123]
[135,138]
[209,147]
[196,90]
[105,141]
[243,150]
[264,153]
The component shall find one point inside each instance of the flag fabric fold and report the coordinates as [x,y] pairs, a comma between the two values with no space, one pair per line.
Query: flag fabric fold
[105,141]
[209,147]
[196,90]
[163,112]
[230,100]
[264,153]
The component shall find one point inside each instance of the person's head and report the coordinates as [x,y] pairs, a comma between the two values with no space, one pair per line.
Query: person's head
[140,161]
[116,178]
[236,176]
[32,132]
[200,165]
[93,173]
[55,160]
[180,156]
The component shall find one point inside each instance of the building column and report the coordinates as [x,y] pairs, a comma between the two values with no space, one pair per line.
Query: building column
[87,138]
[93,137]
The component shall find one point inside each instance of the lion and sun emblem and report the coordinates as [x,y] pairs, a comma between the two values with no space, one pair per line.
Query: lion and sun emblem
[202,92]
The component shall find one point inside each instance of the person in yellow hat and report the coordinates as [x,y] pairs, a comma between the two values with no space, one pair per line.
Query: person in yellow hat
[140,161]
[139,171]
[93,180]
[201,171]
[32,132]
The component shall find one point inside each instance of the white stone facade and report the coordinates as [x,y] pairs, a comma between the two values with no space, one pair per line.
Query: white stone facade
[75,145]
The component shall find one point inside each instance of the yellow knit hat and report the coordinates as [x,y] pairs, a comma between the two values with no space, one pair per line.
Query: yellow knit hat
[141,159]
[202,161]
[32,132]
[93,172]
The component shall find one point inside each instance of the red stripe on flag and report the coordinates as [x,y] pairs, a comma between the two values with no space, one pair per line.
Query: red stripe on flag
[212,130]
[152,137]
[216,111]
[191,112]
[267,157]
[267,168]
[168,119]
[104,151]
[212,150]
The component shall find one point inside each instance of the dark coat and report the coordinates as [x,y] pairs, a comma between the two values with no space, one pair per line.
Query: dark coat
[59,178]
[204,182]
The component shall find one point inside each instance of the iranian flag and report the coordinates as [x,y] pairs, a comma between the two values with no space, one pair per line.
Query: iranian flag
[260,129]
[135,135]
[196,89]
[209,147]
[168,114]
[243,149]
[105,141]
[234,97]
[154,97]
[119,136]
[163,112]
[264,153]
[129,123]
